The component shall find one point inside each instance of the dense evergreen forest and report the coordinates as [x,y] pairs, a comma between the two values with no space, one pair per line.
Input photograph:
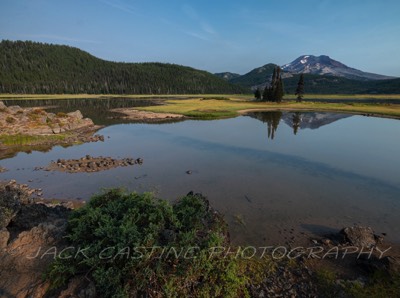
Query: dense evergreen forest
[318,84]
[31,67]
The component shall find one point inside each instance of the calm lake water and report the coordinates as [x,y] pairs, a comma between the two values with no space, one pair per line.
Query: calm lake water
[273,175]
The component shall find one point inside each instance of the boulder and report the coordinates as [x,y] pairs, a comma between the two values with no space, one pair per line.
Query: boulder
[15,109]
[31,215]
[10,203]
[359,236]
[3,107]
[77,115]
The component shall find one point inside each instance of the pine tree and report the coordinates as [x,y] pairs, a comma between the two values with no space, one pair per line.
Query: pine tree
[274,91]
[257,94]
[296,120]
[277,85]
[267,93]
[300,89]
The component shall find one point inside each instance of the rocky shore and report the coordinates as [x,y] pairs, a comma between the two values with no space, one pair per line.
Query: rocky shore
[36,121]
[136,115]
[24,129]
[32,235]
[91,164]
[25,227]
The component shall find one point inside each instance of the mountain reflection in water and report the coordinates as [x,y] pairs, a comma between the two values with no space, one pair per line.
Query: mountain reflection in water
[296,120]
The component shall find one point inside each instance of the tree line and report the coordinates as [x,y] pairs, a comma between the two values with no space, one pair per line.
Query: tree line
[274,91]
[32,67]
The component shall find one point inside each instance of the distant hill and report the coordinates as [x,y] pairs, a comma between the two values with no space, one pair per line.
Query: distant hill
[319,79]
[324,84]
[31,67]
[324,65]
[227,75]
[256,77]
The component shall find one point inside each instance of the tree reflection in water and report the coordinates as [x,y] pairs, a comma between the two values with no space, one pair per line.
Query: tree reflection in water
[296,120]
[271,118]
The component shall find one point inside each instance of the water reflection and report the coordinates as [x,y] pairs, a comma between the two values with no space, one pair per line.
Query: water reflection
[296,120]
[97,109]
[271,118]
[331,177]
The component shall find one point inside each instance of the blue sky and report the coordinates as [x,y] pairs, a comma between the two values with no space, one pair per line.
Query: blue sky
[218,35]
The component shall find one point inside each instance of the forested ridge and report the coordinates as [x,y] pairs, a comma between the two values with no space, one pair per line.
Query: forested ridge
[316,84]
[32,67]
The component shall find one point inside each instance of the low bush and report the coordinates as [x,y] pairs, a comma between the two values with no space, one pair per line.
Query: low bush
[136,245]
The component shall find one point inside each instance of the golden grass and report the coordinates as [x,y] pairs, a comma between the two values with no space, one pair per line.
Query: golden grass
[224,105]
[354,97]
[232,107]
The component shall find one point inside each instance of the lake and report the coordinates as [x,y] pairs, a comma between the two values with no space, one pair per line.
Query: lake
[276,177]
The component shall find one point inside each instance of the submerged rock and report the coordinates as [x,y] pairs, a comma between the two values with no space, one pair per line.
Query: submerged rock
[91,164]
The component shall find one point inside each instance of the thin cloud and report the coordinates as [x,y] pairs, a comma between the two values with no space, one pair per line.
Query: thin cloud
[120,6]
[206,31]
[197,35]
[208,28]
[190,12]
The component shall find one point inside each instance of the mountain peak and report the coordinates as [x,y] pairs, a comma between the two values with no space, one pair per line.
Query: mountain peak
[324,65]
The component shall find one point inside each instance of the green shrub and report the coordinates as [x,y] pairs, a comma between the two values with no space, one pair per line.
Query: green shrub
[114,224]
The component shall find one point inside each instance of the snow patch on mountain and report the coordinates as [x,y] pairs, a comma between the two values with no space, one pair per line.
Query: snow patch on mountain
[324,65]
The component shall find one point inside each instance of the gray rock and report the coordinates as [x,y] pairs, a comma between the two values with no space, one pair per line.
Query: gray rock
[359,236]
[10,203]
[3,107]
[32,215]
[14,109]
[77,114]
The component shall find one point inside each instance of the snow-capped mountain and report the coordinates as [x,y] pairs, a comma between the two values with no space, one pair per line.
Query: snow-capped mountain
[324,65]
[312,120]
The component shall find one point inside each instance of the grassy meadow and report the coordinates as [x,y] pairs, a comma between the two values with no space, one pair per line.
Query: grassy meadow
[211,106]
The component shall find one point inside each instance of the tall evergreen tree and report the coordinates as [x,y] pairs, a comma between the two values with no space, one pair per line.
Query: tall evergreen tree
[274,92]
[267,93]
[257,94]
[300,89]
[278,94]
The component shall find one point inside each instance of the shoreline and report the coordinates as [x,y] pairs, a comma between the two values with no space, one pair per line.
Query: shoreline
[137,115]
[33,235]
[27,129]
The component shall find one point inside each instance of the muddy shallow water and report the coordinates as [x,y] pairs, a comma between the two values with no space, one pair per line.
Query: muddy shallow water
[273,175]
